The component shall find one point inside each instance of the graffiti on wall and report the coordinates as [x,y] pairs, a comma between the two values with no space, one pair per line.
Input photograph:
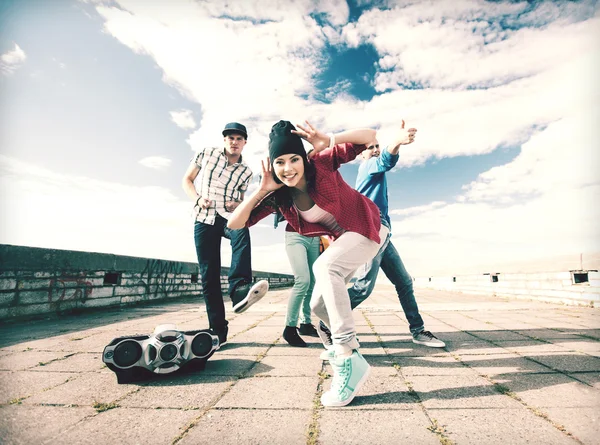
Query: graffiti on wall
[156,280]
[69,287]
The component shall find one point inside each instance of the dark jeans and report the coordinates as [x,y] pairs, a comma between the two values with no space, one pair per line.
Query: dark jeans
[208,248]
[388,259]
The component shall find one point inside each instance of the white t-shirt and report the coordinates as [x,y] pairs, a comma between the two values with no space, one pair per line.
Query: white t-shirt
[317,215]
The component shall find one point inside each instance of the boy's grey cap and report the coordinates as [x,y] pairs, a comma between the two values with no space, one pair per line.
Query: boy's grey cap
[235,127]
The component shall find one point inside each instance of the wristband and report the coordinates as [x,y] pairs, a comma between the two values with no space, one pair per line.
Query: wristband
[331,139]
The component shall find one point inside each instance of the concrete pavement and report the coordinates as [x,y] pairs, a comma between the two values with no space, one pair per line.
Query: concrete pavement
[513,372]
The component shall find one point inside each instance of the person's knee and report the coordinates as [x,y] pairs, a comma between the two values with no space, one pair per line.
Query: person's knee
[326,271]
[301,283]
[405,287]
[317,306]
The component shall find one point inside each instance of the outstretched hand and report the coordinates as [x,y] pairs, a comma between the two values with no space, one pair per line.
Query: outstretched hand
[318,139]
[267,182]
[405,136]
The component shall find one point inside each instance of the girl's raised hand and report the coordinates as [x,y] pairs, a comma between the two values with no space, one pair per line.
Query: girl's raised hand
[267,183]
[319,140]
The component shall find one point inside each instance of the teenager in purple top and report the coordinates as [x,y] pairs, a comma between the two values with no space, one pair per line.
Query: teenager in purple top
[315,200]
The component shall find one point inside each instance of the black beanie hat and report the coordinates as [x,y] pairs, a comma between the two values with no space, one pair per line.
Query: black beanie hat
[283,142]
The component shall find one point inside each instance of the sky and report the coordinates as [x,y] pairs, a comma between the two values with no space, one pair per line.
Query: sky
[104,102]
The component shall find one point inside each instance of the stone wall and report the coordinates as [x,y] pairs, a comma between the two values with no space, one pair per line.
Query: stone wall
[35,281]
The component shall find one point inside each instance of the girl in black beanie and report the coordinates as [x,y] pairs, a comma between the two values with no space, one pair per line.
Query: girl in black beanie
[315,200]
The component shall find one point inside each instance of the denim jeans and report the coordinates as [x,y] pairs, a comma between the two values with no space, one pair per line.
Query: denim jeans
[208,249]
[389,260]
[333,270]
[302,251]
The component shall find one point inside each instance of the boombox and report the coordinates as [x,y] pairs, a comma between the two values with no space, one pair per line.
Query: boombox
[167,350]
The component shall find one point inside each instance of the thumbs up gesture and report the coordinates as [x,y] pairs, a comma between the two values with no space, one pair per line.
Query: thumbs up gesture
[405,136]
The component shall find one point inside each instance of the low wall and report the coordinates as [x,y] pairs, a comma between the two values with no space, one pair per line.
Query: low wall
[577,287]
[35,281]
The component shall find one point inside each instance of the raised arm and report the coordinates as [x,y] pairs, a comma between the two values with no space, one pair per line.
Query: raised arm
[320,141]
[241,214]
[404,137]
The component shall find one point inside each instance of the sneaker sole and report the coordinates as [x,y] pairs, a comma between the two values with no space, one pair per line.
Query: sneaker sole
[255,293]
[431,345]
[355,393]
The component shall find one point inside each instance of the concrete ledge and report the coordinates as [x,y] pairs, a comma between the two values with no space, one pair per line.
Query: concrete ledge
[581,287]
[36,281]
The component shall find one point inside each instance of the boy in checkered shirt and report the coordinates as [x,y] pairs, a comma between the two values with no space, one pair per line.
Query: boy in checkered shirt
[216,181]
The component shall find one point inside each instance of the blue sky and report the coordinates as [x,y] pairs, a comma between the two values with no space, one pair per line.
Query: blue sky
[103,102]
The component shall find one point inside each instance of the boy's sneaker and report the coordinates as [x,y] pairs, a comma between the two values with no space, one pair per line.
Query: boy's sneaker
[324,335]
[327,355]
[245,296]
[428,339]
[349,374]
[222,334]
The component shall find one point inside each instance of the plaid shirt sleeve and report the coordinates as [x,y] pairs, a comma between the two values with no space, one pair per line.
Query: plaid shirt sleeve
[198,158]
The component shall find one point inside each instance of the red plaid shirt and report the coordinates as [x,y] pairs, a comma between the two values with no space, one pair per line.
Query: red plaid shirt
[353,211]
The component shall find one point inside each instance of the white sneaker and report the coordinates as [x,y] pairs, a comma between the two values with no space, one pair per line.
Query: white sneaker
[327,355]
[428,339]
[349,374]
[256,292]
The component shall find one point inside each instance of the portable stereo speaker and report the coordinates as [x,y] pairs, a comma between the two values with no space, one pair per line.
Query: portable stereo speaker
[167,350]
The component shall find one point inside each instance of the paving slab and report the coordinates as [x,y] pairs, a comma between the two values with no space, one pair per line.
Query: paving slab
[567,362]
[288,366]
[28,359]
[195,391]
[250,427]
[24,425]
[128,425]
[498,427]
[271,393]
[18,385]
[354,427]
[502,364]
[80,361]
[577,421]
[555,390]
[437,365]
[83,389]
[459,392]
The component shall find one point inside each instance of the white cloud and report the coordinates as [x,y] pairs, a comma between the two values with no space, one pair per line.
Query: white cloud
[417,209]
[10,61]
[184,119]
[562,157]
[461,44]
[540,205]
[155,162]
